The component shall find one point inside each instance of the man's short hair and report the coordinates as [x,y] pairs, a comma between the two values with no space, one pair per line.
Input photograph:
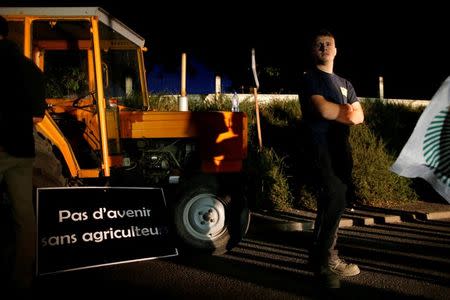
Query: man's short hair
[320,32]
[3,27]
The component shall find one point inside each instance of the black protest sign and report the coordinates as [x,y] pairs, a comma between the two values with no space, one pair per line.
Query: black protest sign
[84,227]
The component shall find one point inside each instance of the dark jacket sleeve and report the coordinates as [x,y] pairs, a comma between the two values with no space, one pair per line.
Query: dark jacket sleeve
[36,90]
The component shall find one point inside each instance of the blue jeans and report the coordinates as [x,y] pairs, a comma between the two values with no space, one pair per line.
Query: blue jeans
[16,174]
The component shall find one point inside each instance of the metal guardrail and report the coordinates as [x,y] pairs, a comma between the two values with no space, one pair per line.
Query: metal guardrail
[411,102]
[267,98]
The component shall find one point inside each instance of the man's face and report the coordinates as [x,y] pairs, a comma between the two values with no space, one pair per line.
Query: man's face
[324,49]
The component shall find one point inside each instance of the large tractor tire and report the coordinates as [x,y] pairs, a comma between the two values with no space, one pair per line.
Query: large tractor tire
[209,218]
[47,169]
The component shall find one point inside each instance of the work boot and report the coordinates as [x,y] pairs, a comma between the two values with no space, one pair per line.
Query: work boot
[327,279]
[342,268]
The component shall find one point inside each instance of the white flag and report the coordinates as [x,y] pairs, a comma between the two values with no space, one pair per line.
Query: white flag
[427,152]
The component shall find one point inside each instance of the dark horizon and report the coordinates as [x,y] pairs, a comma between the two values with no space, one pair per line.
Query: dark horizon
[406,46]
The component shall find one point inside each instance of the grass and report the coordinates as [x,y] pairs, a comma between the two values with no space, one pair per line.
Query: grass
[376,185]
[279,174]
[391,122]
[374,151]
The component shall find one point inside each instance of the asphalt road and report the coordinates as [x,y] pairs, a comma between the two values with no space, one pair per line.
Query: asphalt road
[408,260]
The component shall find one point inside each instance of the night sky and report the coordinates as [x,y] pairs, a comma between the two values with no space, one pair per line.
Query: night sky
[406,44]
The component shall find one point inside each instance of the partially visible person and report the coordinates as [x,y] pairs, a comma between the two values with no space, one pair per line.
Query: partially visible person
[22,103]
[329,107]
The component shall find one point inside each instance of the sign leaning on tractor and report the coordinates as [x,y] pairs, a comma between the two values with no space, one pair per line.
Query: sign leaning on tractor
[99,129]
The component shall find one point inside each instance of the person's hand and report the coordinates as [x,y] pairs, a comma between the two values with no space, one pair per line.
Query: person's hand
[345,111]
[349,114]
[356,116]
[348,107]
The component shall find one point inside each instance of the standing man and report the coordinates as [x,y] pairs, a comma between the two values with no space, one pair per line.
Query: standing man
[329,106]
[22,103]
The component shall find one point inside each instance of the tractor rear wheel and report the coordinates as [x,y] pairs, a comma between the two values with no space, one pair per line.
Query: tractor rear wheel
[210,218]
[47,169]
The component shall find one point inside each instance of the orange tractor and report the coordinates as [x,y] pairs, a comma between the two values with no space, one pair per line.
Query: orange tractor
[99,128]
